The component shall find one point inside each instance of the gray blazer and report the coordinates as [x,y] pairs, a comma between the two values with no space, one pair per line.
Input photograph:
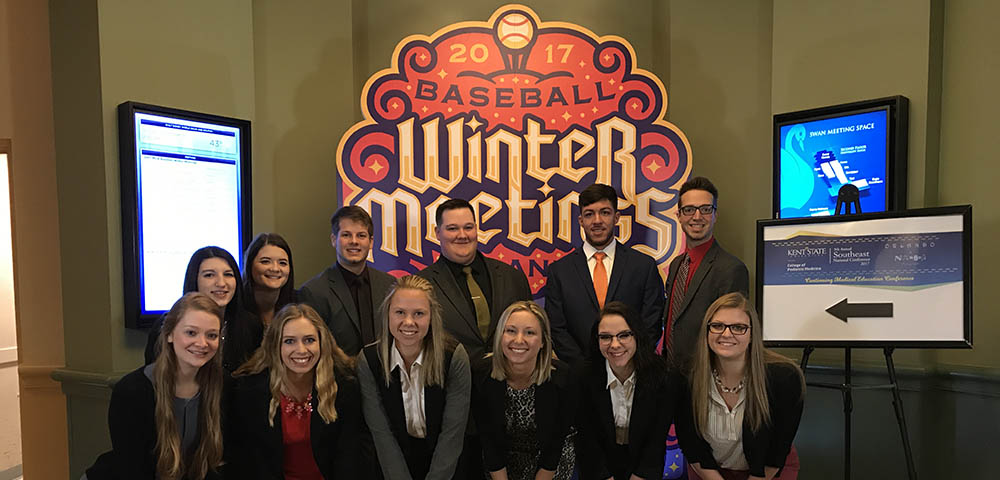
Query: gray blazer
[509,286]
[329,294]
[718,274]
[446,411]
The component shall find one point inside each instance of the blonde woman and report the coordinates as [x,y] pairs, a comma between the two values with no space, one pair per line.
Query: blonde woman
[525,401]
[165,418]
[744,403]
[295,405]
[415,386]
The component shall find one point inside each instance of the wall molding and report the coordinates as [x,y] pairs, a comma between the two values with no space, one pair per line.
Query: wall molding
[37,377]
[8,356]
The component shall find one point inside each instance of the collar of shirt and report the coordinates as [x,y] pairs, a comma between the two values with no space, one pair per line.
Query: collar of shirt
[351,277]
[397,362]
[478,265]
[613,381]
[699,252]
[589,251]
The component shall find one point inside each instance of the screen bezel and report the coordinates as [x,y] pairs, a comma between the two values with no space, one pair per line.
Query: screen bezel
[128,171]
[964,210]
[897,127]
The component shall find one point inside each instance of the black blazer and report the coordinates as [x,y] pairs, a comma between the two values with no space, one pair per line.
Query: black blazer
[555,412]
[509,286]
[771,443]
[132,424]
[652,412]
[572,305]
[256,450]
[718,274]
[329,294]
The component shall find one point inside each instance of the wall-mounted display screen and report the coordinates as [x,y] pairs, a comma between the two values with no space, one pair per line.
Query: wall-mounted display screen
[185,185]
[819,151]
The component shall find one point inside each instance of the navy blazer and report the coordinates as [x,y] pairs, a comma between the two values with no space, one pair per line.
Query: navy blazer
[770,444]
[329,294]
[571,303]
[509,285]
[652,412]
[256,449]
[718,274]
[555,412]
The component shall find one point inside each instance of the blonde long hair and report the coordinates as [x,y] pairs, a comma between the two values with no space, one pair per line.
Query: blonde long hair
[757,411]
[543,364]
[333,362]
[435,342]
[208,456]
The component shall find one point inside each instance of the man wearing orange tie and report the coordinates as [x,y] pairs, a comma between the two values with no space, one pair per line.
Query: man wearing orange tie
[600,271]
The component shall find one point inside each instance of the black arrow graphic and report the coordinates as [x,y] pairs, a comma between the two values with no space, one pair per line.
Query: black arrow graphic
[843,310]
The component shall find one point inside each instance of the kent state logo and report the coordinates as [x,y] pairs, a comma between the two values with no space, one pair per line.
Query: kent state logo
[517,116]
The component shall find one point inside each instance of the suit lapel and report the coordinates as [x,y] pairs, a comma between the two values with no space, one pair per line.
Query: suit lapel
[448,286]
[605,409]
[699,276]
[380,284]
[642,409]
[618,269]
[339,288]
[579,260]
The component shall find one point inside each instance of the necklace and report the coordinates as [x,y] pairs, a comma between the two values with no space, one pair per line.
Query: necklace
[725,389]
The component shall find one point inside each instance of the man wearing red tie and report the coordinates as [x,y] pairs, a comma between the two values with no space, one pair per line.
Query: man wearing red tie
[600,271]
[703,273]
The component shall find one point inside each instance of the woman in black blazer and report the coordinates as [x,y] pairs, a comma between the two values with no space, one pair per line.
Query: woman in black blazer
[165,418]
[733,376]
[525,401]
[268,277]
[215,273]
[415,364]
[627,442]
[295,407]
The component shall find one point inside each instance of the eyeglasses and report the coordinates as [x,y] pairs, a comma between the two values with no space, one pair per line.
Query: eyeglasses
[736,328]
[623,336]
[689,210]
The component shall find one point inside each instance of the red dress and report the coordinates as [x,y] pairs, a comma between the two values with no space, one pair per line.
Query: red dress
[298,459]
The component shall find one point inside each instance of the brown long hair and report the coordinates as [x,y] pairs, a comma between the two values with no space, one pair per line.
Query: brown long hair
[435,342]
[543,364]
[757,411]
[208,456]
[333,362]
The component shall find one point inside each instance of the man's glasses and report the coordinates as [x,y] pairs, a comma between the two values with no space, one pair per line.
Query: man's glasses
[623,336]
[719,328]
[689,210]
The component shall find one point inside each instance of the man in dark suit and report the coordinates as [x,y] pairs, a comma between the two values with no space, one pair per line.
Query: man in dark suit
[347,295]
[473,290]
[600,271]
[703,273]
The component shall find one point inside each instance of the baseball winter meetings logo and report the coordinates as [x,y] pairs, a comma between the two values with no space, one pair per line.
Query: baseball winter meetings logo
[517,116]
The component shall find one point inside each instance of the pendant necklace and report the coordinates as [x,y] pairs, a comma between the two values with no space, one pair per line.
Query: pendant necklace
[725,389]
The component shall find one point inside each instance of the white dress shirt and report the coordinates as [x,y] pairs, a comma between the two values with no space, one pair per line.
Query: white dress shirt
[621,403]
[725,431]
[413,393]
[609,260]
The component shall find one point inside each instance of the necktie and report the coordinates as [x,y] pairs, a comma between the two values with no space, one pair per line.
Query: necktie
[600,278]
[677,297]
[479,300]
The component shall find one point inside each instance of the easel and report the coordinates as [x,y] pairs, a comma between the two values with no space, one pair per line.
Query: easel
[846,196]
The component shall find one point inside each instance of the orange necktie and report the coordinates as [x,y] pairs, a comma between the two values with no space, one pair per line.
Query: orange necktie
[600,278]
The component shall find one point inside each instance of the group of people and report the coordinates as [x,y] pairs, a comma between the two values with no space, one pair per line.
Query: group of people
[455,372]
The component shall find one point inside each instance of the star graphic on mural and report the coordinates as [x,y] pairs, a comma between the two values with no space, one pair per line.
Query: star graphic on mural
[583,64]
[635,105]
[607,57]
[545,189]
[424,109]
[409,87]
[375,166]
[594,109]
[566,116]
[611,82]
[442,74]
[474,124]
[673,467]
[515,79]
[395,105]
[500,256]
[653,166]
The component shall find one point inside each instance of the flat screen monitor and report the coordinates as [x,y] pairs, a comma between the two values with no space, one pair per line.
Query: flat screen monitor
[185,184]
[819,151]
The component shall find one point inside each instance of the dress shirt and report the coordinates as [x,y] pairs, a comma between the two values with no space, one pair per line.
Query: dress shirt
[725,431]
[480,274]
[361,290]
[609,260]
[621,403]
[412,384]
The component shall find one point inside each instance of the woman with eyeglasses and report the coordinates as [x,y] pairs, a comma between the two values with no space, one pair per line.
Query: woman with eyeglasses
[743,403]
[627,405]
[295,407]
[415,386]
[526,401]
